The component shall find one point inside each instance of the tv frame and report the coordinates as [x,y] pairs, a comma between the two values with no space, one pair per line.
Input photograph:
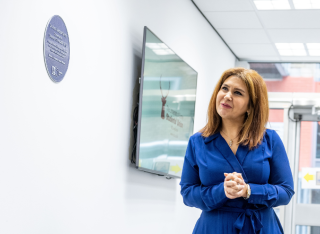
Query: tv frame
[168,176]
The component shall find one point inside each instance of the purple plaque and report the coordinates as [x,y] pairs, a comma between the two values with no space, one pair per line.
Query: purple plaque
[56,49]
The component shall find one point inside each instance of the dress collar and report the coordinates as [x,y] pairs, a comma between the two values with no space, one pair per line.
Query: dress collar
[212,137]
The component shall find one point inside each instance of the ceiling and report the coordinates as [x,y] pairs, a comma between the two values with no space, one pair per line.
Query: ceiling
[252,34]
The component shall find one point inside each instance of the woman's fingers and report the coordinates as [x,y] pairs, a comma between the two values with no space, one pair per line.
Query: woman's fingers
[233,178]
[240,176]
[230,183]
[234,174]
[233,192]
[230,177]
[240,181]
[229,194]
[234,185]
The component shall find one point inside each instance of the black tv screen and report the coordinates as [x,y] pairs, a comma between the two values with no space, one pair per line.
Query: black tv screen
[166,108]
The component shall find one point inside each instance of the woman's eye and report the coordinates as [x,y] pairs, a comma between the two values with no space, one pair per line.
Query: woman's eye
[237,92]
[224,88]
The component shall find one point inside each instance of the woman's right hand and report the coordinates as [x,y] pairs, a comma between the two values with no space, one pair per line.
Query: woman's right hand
[234,185]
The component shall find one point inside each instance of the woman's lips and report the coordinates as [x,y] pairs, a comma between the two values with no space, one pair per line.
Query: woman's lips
[225,105]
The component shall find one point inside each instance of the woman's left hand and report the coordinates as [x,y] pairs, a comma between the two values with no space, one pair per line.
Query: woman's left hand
[234,185]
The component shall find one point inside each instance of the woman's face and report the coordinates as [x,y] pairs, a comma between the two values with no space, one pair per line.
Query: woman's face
[233,99]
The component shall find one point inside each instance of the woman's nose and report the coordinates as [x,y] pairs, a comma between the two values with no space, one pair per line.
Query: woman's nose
[228,96]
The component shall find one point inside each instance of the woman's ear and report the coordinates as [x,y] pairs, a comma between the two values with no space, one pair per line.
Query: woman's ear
[249,109]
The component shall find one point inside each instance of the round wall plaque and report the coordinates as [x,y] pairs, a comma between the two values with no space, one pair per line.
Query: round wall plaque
[56,48]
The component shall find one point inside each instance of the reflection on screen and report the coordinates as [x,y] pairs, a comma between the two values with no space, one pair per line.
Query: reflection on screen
[168,107]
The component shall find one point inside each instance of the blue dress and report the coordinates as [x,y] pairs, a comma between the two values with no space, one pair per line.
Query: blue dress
[266,169]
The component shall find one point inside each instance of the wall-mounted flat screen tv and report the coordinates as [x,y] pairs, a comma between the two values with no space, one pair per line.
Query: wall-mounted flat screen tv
[166,108]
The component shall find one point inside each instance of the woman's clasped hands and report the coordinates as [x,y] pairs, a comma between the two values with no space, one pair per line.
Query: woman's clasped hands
[234,185]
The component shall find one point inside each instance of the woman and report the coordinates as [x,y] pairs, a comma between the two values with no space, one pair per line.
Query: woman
[236,170]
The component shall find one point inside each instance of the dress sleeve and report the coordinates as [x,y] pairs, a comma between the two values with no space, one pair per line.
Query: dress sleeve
[193,192]
[279,189]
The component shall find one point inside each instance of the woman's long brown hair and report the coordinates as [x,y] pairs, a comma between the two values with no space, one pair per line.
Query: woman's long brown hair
[253,128]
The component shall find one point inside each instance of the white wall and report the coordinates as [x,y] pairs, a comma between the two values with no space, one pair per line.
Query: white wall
[64,147]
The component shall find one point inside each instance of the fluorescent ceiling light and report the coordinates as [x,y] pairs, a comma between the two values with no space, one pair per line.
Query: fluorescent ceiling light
[314,49]
[272,4]
[291,49]
[306,4]
[278,5]
[314,52]
[299,53]
[297,46]
[313,46]
[285,52]
[316,5]
[263,5]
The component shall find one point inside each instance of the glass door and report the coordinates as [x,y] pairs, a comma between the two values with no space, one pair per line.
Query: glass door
[301,137]
[306,202]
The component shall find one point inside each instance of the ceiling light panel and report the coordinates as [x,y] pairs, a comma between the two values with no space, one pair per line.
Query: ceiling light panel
[314,49]
[306,4]
[299,52]
[296,46]
[291,49]
[313,46]
[272,4]
[314,52]
[285,52]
